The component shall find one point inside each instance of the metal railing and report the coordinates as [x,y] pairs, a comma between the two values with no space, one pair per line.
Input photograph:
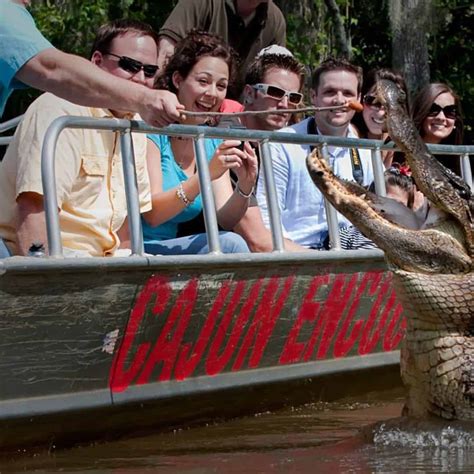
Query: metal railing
[199,133]
[6,126]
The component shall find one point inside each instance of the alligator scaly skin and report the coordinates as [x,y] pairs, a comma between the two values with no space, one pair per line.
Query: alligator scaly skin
[437,355]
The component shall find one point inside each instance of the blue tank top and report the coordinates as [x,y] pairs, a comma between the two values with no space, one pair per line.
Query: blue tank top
[172,176]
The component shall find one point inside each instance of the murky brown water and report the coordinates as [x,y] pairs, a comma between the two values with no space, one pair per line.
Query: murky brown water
[315,438]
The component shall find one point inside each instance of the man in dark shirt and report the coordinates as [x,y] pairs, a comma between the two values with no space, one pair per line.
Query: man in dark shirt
[246,25]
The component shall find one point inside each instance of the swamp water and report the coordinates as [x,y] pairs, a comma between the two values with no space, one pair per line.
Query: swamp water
[314,438]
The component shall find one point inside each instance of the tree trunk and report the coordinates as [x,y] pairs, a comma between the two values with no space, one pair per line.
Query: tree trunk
[343,45]
[410,23]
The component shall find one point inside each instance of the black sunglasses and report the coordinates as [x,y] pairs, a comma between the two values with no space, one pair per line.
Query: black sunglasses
[450,111]
[133,66]
[277,93]
[372,101]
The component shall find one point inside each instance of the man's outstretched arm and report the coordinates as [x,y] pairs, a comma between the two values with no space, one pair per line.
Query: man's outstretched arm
[78,80]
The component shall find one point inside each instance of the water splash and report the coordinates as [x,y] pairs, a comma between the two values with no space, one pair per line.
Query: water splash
[404,432]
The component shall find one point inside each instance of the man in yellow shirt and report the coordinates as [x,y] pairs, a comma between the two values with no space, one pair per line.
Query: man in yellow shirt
[89,177]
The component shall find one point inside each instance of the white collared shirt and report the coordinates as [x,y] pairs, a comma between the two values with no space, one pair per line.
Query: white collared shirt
[301,204]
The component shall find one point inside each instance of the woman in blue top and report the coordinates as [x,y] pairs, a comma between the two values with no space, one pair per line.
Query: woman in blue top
[198,73]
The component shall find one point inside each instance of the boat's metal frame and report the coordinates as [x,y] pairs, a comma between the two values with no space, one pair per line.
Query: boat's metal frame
[132,339]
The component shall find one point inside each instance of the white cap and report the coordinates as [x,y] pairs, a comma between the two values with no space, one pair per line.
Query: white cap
[274,49]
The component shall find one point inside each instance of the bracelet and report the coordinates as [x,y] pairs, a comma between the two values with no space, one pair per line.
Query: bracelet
[182,195]
[244,195]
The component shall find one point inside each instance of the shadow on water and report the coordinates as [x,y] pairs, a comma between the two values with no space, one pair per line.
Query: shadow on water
[314,438]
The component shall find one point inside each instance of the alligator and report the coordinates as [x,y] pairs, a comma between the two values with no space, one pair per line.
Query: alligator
[432,263]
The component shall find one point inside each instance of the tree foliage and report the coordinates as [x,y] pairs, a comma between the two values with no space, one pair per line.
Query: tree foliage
[447,27]
[452,53]
[315,29]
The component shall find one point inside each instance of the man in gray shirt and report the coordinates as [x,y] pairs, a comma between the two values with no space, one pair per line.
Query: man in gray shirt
[246,25]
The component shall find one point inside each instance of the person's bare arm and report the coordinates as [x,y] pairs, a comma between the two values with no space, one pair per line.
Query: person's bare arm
[78,80]
[166,48]
[31,222]
[165,204]
[259,237]
[124,236]
[230,204]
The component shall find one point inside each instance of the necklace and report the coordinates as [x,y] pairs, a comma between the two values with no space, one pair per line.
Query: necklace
[181,148]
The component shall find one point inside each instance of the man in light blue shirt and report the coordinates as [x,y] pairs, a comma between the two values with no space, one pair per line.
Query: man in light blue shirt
[335,82]
[27,57]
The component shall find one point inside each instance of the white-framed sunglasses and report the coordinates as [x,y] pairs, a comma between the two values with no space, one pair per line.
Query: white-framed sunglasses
[278,93]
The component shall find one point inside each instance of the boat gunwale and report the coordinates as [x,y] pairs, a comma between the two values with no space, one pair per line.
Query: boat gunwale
[18,265]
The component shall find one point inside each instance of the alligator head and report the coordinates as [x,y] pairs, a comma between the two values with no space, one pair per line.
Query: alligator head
[432,265]
[446,190]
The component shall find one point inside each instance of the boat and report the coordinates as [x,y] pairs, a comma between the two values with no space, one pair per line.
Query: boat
[95,348]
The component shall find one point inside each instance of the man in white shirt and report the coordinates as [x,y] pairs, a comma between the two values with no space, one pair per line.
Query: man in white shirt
[334,82]
[274,81]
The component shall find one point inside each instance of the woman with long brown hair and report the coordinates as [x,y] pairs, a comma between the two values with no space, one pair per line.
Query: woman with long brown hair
[437,114]
[199,73]
[370,123]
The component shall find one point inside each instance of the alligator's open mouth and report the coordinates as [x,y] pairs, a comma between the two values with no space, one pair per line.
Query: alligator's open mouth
[432,259]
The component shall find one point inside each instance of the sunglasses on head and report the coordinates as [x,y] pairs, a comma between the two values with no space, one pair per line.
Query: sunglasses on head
[133,66]
[372,101]
[277,93]
[449,111]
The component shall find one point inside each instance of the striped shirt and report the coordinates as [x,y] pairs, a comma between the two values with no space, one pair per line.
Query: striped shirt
[353,239]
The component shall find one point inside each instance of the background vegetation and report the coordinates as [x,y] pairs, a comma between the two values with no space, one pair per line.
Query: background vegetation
[366,30]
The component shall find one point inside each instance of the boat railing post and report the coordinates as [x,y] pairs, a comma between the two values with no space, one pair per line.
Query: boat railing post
[272,202]
[466,171]
[131,192]
[48,177]
[378,167]
[208,203]
[9,124]
[6,126]
[331,213]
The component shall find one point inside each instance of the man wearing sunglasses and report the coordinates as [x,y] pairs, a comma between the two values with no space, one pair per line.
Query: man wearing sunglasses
[27,58]
[89,174]
[273,82]
[334,83]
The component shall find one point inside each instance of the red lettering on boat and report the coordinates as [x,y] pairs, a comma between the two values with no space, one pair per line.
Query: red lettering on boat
[392,339]
[343,343]
[242,320]
[167,345]
[265,318]
[186,365]
[121,377]
[309,313]
[339,296]
[216,360]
